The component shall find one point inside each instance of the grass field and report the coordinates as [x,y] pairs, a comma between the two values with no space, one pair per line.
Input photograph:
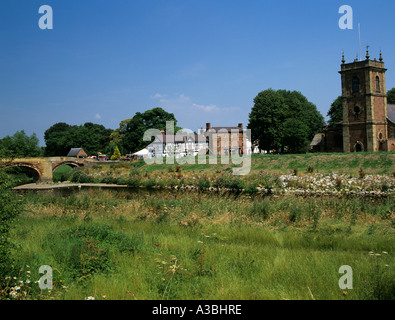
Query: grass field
[177,245]
[163,242]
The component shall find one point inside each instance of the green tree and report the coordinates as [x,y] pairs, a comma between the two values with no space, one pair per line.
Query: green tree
[58,139]
[391,96]
[284,120]
[61,137]
[335,112]
[118,134]
[117,154]
[295,135]
[21,145]
[156,118]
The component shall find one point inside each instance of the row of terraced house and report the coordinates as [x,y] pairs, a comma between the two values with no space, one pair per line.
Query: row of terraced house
[222,141]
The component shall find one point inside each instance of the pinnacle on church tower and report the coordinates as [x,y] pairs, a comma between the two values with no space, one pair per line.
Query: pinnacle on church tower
[367,53]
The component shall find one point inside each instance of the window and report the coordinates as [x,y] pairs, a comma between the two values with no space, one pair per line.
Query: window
[358,147]
[357,111]
[355,85]
[378,84]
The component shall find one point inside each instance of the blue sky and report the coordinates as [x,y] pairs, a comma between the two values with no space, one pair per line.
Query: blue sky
[203,60]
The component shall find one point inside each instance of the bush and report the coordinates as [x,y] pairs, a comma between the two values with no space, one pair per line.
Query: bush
[236,184]
[108,180]
[150,183]
[79,176]
[204,184]
[122,181]
[9,209]
[251,188]
[134,182]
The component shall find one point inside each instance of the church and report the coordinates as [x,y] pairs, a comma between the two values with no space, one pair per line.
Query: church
[368,121]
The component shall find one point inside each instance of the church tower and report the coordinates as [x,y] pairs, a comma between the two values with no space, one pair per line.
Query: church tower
[364,105]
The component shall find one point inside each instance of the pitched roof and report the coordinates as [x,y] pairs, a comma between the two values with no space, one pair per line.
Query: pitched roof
[74,152]
[229,129]
[179,138]
[391,112]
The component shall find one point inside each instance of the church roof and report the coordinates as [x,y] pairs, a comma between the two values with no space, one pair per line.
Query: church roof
[391,112]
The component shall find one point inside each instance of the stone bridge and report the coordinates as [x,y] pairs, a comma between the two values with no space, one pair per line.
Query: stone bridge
[45,166]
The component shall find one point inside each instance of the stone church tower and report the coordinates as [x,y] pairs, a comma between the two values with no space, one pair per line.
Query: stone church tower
[364,126]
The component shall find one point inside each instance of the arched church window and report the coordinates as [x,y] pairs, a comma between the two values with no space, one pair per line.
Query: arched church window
[355,85]
[378,84]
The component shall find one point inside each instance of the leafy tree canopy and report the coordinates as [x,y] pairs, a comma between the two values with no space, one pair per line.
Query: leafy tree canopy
[391,96]
[61,137]
[155,118]
[20,145]
[335,112]
[284,120]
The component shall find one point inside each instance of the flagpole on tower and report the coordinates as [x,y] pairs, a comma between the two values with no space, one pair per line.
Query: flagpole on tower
[360,49]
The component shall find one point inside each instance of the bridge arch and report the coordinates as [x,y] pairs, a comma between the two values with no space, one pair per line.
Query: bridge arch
[72,164]
[33,168]
[46,166]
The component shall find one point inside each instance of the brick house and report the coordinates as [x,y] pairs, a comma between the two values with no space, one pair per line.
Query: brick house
[77,153]
[224,141]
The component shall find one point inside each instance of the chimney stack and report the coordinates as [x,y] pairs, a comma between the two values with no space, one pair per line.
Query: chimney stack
[208,126]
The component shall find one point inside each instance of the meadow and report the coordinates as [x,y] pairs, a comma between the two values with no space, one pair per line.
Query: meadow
[158,240]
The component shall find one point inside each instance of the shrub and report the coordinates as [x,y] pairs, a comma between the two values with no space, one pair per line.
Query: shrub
[79,176]
[108,180]
[122,181]
[236,184]
[150,183]
[9,209]
[204,184]
[116,155]
[251,188]
[66,176]
[134,182]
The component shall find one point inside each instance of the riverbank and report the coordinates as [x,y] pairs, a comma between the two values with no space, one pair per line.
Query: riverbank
[65,185]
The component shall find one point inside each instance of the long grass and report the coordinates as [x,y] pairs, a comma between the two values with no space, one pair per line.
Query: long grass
[190,245]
